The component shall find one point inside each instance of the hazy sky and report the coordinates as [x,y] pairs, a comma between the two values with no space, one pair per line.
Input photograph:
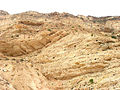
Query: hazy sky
[82,7]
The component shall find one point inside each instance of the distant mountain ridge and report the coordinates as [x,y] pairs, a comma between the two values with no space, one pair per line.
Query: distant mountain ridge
[64,14]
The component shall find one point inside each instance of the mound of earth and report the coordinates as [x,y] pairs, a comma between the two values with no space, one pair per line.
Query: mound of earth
[59,51]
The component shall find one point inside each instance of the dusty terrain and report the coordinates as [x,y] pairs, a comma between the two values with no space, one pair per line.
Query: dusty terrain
[59,51]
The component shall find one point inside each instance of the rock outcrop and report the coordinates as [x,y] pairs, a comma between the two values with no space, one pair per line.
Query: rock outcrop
[3,13]
[59,51]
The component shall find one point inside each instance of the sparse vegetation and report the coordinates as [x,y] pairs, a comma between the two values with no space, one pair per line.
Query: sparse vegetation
[13,59]
[114,37]
[21,60]
[49,29]
[91,81]
[113,32]
[17,35]
[92,34]
[72,26]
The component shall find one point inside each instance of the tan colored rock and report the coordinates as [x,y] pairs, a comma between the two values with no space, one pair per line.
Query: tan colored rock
[59,52]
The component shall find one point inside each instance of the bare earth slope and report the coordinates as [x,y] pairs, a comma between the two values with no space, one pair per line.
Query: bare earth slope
[59,51]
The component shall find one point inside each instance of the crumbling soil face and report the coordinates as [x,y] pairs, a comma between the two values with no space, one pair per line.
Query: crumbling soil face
[59,51]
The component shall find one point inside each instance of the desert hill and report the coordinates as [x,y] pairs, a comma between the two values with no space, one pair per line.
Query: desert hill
[59,51]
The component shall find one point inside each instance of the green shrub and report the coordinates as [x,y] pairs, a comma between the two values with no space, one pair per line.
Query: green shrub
[113,32]
[91,81]
[91,34]
[21,60]
[49,29]
[114,37]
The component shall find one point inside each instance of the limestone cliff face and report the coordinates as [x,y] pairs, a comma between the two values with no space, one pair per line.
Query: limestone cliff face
[59,51]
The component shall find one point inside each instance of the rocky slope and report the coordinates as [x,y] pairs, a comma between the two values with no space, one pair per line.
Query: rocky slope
[59,51]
